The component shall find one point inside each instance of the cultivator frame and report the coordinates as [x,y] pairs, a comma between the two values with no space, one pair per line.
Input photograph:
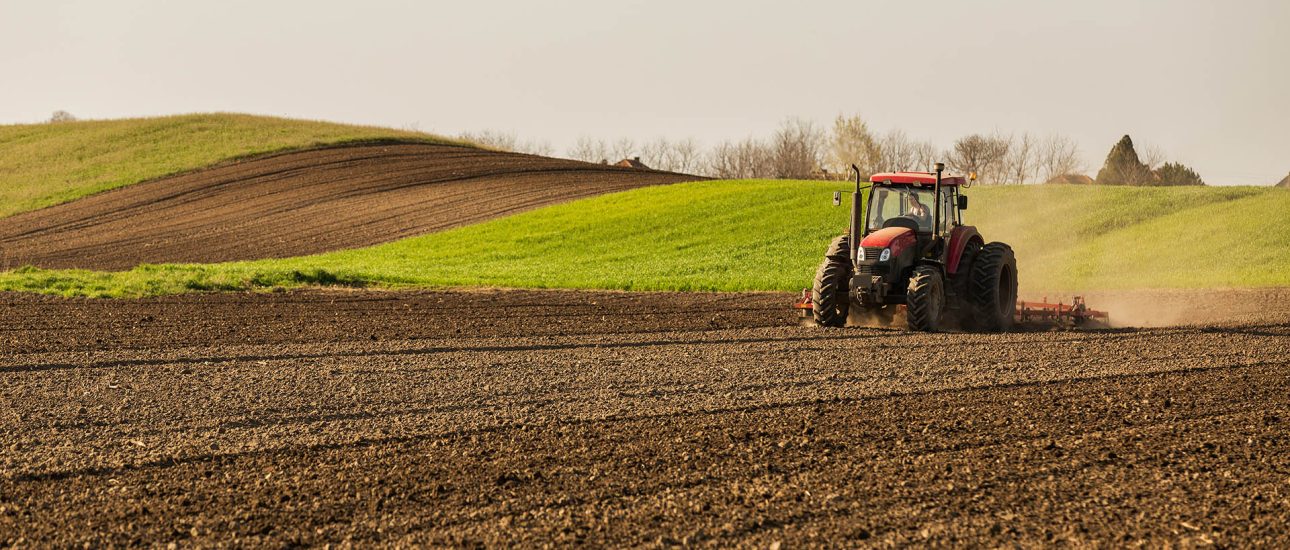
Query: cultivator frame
[1032,314]
[1061,315]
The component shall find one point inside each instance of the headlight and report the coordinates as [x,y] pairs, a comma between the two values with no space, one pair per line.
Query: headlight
[886,255]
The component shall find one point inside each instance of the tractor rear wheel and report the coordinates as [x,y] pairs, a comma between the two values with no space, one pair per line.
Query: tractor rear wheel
[959,310]
[829,300]
[994,288]
[925,299]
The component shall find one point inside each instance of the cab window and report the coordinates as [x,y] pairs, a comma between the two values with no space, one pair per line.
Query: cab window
[907,202]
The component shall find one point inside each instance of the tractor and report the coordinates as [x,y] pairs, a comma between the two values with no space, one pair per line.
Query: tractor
[907,246]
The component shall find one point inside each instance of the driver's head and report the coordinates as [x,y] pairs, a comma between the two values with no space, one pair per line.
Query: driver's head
[913,199]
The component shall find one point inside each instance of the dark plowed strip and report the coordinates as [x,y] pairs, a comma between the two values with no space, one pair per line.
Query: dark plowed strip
[514,418]
[302,203]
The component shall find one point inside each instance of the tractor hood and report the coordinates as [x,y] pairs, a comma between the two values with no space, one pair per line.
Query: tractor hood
[885,237]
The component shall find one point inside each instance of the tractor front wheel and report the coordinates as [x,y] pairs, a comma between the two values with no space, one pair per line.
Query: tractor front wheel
[829,300]
[925,299]
[994,288]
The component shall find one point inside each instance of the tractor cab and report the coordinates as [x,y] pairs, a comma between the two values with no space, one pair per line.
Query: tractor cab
[908,199]
[910,217]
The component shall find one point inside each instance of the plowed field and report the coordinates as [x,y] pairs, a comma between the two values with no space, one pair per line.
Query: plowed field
[301,203]
[528,418]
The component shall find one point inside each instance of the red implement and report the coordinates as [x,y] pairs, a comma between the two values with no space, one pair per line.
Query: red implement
[1075,314]
[804,306]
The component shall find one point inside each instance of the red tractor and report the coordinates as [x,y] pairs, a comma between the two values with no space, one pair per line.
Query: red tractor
[914,251]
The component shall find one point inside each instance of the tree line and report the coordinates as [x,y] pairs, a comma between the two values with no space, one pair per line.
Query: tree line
[802,149]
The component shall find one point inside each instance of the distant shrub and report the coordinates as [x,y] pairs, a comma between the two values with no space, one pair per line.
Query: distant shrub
[62,116]
[1173,173]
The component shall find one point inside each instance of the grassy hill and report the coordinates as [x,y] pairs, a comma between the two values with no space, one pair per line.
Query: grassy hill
[769,235]
[47,164]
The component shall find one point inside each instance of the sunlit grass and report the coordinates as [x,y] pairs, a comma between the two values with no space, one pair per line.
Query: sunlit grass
[769,235]
[47,164]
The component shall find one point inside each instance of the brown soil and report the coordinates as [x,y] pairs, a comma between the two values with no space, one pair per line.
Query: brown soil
[509,418]
[300,203]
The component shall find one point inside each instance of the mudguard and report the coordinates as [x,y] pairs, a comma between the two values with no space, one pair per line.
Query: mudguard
[959,238]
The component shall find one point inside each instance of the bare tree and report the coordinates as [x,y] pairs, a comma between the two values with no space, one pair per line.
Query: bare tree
[589,150]
[749,158]
[1020,163]
[62,116]
[897,151]
[506,141]
[759,157]
[900,153]
[687,156]
[721,162]
[623,148]
[674,156]
[796,149]
[491,139]
[657,154]
[853,143]
[925,154]
[537,147]
[980,154]
[1152,156]
[1058,156]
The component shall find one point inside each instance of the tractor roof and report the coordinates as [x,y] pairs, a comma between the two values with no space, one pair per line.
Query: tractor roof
[914,178]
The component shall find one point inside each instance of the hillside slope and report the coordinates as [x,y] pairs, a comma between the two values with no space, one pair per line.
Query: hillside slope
[46,164]
[302,202]
[770,235]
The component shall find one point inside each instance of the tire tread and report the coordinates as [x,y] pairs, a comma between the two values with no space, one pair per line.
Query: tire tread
[829,300]
[988,266]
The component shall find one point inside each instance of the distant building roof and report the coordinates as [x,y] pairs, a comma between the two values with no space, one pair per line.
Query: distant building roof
[1285,182]
[634,162]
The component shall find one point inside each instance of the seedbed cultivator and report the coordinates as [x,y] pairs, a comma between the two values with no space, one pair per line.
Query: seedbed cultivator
[1073,315]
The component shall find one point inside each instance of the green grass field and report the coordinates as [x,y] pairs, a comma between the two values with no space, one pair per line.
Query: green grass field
[47,164]
[769,235]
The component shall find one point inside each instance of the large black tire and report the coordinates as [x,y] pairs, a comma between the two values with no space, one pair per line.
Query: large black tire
[829,299]
[925,299]
[994,288]
[961,283]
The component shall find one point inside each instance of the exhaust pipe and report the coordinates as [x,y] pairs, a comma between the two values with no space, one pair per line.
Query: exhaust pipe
[855,220]
[936,200]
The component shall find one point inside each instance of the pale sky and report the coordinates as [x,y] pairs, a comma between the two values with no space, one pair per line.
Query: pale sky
[1206,82]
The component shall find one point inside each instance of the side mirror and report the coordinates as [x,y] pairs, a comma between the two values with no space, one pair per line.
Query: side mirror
[962,202]
[837,198]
